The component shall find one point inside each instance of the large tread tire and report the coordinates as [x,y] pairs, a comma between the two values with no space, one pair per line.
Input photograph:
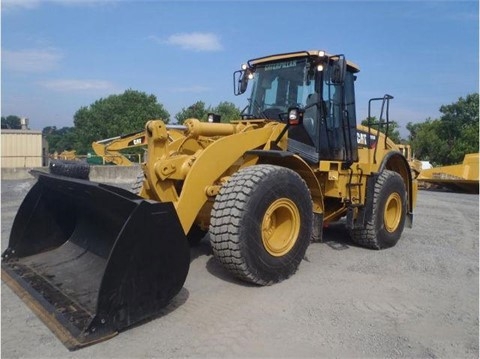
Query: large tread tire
[69,168]
[386,225]
[247,231]
[138,184]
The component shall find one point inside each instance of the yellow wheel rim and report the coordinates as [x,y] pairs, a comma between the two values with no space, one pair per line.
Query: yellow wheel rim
[393,212]
[280,227]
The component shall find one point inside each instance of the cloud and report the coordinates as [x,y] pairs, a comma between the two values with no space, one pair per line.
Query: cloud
[77,85]
[19,4]
[10,5]
[196,41]
[31,60]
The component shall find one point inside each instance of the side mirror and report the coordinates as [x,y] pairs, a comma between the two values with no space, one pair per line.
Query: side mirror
[338,70]
[240,81]
[295,118]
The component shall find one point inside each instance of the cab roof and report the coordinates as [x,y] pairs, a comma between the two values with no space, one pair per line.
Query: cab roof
[352,67]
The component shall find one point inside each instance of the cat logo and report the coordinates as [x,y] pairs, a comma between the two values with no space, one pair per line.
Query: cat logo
[137,141]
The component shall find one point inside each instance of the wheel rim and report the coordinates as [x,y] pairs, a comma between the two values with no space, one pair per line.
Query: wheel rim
[280,227]
[393,212]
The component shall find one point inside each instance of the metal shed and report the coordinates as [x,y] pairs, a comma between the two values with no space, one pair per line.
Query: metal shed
[21,148]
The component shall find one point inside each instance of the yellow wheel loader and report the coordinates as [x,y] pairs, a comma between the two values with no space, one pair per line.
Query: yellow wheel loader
[93,259]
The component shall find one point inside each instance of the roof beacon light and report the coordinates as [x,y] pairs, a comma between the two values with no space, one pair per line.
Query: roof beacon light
[244,66]
[321,53]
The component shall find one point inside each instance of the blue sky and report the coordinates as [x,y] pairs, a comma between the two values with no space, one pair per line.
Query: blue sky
[60,55]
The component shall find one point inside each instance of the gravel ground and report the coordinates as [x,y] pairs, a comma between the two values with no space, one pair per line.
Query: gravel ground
[416,300]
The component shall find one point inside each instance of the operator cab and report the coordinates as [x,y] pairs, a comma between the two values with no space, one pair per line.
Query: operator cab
[320,86]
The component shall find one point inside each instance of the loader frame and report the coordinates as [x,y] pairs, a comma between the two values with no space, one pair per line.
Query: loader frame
[263,187]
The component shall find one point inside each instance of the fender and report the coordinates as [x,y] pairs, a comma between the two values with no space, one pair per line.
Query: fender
[393,161]
[209,165]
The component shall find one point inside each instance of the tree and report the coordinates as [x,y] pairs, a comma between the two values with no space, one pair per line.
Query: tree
[425,142]
[197,110]
[459,128]
[393,128]
[446,140]
[228,111]
[11,122]
[60,139]
[115,115]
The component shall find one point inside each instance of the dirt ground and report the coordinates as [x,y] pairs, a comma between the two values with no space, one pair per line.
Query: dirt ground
[416,300]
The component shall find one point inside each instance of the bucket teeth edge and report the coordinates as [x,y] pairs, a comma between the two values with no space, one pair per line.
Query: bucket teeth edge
[68,340]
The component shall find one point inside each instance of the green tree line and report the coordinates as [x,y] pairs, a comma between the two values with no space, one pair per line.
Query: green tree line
[446,140]
[441,141]
[11,122]
[123,114]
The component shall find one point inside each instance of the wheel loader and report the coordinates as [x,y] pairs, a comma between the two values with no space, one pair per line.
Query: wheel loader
[92,259]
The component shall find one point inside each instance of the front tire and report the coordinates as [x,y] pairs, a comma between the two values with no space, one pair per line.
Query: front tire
[261,224]
[386,225]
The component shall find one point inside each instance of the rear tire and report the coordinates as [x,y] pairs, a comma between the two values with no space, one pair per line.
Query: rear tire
[68,168]
[385,227]
[261,224]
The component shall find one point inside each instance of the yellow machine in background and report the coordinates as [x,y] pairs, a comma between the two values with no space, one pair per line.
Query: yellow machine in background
[102,259]
[66,155]
[109,149]
[462,177]
[415,165]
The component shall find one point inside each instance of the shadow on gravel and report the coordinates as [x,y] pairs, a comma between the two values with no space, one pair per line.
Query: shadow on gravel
[336,236]
[203,248]
[450,190]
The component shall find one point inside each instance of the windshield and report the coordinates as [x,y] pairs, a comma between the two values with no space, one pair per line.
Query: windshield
[278,86]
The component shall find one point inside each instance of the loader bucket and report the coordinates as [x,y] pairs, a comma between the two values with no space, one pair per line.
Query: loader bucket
[91,259]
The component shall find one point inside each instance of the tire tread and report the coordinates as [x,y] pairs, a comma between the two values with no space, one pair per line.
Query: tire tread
[367,236]
[226,217]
